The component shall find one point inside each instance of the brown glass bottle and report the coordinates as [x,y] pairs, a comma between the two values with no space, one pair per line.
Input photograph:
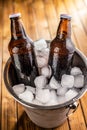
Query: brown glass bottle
[61,48]
[22,52]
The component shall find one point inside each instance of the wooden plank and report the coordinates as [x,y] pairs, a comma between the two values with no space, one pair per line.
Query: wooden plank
[84,106]
[51,17]
[76,120]
[41,23]
[78,28]
[9,117]
[1,28]
[64,126]
[18,7]
[24,123]
[30,21]
[82,12]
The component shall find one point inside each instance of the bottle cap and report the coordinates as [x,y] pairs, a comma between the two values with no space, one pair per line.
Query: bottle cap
[15,15]
[65,16]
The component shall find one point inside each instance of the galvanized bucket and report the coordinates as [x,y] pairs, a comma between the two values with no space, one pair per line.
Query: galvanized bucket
[47,116]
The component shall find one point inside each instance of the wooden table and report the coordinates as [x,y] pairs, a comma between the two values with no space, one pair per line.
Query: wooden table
[41,18]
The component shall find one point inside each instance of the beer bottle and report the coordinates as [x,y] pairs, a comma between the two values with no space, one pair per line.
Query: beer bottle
[22,52]
[61,48]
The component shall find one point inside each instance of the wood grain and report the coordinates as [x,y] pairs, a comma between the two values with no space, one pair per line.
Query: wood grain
[51,16]
[78,28]
[41,19]
[1,27]
[9,118]
[41,22]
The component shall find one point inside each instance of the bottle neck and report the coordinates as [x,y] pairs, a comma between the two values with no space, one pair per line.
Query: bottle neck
[17,29]
[64,29]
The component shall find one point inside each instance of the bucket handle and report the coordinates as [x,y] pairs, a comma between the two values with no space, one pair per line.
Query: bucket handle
[72,108]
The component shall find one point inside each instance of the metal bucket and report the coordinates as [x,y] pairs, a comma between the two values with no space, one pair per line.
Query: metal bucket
[47,116]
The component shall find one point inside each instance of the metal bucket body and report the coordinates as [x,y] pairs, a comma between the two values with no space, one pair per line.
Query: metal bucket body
[46,116]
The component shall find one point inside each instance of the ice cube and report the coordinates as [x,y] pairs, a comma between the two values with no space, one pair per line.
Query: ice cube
[48,87]
[53,99]
[61,91]
[19,88]
[51,103]
[26,96]
[41,61]
[61,99]
[42,53]
[70,94]
[42,57]
[32,89]
[54,83]
[53,95]
[45,53]
[40,44]
[43,95]
[76,71]
[67,81]
[46,71]
[79,81]
[36,102]
[40,81]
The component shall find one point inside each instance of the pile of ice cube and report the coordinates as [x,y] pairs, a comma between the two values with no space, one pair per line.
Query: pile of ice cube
[42,52]
[52,93]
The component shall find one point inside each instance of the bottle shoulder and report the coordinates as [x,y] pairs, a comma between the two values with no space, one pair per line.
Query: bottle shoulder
[19,46]
[62,46]
[57,43]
